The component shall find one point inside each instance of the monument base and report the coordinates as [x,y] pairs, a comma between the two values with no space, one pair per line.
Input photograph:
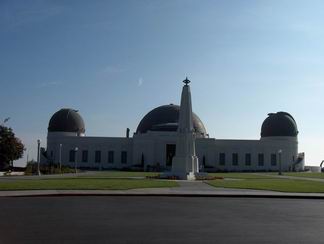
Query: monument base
[184,176]
[185,164]
[184,167]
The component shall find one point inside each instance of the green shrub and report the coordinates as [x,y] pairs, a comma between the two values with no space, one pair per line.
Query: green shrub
[31,169]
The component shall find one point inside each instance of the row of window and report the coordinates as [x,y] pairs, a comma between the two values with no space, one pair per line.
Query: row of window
[248,159]
[97,156]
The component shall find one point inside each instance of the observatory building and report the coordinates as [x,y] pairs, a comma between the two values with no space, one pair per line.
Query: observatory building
[154,144]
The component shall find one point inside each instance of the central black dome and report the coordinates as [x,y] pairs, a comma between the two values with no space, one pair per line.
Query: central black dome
[279,124]
[166,118]
[66,120]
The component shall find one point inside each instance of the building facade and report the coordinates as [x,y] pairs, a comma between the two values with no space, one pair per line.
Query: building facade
[153,145]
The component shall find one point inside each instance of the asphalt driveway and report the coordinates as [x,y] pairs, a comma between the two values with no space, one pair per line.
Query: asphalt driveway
[131,219]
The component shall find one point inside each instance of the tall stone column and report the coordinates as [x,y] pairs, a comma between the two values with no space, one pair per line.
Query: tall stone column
[185,162]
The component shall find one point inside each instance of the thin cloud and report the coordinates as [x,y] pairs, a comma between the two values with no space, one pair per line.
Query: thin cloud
[140,82]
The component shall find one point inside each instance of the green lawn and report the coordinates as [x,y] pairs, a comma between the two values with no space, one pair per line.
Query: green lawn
[281,185]
[84,184]
[303,174]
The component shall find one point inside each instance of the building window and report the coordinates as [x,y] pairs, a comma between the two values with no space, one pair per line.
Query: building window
[248,159]
[222,159]
[235,158]
[170,153]
[261,159]
[85,156]
[110,157]
[273,159]
[204,161]
[123,157]
[142,159]
[98,156]
[72,156]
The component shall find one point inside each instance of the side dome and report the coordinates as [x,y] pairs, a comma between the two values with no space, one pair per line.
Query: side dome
[66,120]
[166,118]
[279,124]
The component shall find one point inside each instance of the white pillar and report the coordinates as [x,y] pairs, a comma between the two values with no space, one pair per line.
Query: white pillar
[185,162]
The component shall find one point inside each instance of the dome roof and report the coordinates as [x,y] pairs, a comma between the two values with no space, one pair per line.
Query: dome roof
[66,120]
[279,124]
[165,118]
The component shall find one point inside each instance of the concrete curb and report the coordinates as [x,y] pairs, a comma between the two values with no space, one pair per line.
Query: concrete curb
[183,195]
[278,195]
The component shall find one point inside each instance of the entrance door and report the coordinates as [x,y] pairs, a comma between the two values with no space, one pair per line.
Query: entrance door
[170,153]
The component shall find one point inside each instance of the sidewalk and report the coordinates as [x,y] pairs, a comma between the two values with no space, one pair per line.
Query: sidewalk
[186,189]
[291,177]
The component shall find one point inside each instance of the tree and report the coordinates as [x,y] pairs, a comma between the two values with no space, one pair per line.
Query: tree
[11,147]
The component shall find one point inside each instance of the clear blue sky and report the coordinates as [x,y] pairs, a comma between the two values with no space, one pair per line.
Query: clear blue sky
[116,60]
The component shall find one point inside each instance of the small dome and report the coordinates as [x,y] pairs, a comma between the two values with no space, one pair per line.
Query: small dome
[279,124]
[165,118]
[66,120]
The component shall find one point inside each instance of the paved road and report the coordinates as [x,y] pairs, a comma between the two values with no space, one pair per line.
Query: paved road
[160,220]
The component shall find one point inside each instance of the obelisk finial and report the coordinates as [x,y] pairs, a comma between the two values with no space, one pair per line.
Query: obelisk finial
[186,81]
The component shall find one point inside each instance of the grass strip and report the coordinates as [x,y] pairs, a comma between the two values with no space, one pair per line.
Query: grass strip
[281,185]
[306,175]
[84,184]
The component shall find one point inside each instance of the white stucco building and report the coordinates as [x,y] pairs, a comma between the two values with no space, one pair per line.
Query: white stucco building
[153,145]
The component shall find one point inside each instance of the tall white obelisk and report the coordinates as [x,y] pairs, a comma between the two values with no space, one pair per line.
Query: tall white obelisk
[185,162]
